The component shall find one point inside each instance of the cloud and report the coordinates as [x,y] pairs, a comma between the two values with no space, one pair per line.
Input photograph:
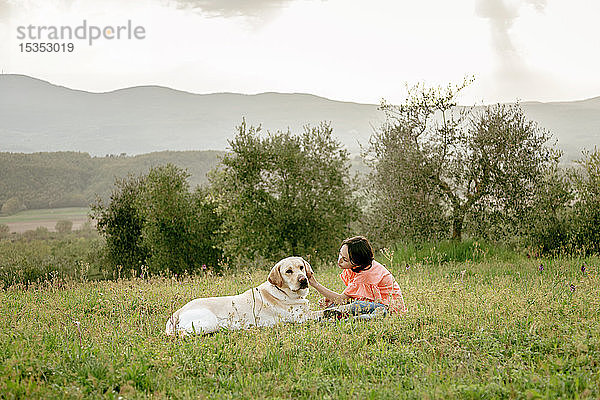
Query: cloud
[234,8]
[501,15]
[512,70]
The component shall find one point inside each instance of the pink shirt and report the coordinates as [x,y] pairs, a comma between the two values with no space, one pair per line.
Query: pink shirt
[374,284]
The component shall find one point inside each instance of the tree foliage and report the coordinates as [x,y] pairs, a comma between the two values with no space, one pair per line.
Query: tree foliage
[434,163]
[545,225]
[586,210]
[121,223]
[64,226]
[283,194]
[12,206]
[180,227]
[154,220]
[516,171]
[4,231]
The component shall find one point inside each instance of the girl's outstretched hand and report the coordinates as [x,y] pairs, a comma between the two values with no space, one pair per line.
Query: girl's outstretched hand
[311,279]
[309,271]
[325,302]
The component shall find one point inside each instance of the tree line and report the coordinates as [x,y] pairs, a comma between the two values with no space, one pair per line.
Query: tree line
[437,172]
[74,179]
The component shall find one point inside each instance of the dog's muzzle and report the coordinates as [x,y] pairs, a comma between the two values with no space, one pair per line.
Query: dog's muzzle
[303,283]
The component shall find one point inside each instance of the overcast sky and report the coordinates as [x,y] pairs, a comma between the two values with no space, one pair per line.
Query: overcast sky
[353,50]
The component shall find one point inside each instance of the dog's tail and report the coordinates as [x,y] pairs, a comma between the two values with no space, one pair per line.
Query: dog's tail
[171,326]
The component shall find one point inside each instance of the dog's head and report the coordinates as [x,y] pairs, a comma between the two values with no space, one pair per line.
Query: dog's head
[291,275]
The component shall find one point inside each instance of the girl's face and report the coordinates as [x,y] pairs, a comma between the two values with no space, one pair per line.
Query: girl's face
[344,259]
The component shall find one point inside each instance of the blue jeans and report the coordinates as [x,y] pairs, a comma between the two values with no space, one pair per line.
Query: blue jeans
[359,307]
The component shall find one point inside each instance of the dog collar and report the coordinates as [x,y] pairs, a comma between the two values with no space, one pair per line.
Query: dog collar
[278,288]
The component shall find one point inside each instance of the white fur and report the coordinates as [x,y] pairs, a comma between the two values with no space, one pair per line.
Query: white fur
[280,299]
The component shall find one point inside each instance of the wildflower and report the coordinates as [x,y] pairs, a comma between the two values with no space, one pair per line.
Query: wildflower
[407,267]
[541,268]
[583,268]
[572,288]
[203,267]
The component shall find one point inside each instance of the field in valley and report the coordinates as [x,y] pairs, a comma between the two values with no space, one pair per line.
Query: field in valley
[489,329]
[32,219]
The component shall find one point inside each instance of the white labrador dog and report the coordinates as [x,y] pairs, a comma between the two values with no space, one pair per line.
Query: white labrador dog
[282,298]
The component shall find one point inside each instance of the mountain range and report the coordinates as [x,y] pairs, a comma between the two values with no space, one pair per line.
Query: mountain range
[37,116]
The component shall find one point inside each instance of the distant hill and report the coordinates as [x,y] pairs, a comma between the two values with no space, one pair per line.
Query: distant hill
[72,179]
[38,116]
[575,124]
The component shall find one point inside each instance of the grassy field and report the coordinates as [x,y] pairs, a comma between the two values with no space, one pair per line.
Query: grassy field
[488,329]
[47,214]
[31,219]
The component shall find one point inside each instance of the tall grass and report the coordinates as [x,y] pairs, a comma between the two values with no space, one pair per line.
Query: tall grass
[448,251]
[489,329]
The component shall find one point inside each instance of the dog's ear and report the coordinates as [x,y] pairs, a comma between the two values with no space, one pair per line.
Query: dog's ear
[275,275]
[307,268]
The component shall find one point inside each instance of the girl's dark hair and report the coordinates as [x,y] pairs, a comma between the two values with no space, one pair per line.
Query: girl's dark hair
[360,252]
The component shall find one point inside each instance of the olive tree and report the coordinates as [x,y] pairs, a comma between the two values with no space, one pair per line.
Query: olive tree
[180,227]
[283,194]
[585,234]
[434,163]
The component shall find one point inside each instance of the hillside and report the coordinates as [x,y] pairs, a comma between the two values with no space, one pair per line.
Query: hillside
[75,179]
[71,179]
[575,124]
[38,116]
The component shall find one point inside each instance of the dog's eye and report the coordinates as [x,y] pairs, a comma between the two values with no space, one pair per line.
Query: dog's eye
[301,267]
[289,271]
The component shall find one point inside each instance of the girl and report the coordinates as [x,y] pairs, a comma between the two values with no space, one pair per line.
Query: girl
[369,285]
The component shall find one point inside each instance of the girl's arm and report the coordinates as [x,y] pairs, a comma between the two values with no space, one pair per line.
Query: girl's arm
[328,294]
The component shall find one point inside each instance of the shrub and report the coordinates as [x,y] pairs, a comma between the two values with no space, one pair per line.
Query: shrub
[28,260]
[64,226]
[40,233]
[4,231]
[155,221]
[121,223]
[86,230]
[12,206]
